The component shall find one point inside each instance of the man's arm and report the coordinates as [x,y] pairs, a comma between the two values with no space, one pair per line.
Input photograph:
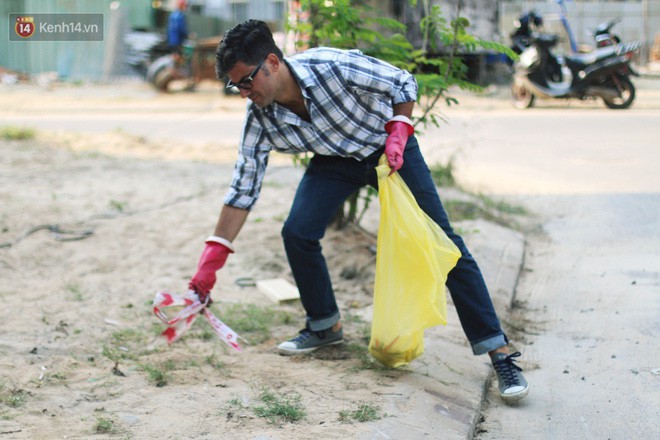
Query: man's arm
[231,222]
[217,249]
[403,109]
[378,77]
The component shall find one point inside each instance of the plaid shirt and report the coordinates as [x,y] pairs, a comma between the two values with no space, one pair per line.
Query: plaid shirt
[349,97]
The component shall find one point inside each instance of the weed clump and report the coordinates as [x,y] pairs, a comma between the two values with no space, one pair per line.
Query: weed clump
[285,408]
[365,412]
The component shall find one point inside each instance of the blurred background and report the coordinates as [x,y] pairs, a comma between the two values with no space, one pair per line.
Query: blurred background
[135,32]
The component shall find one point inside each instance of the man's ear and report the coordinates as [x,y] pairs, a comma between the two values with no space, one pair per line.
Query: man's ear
[273,62]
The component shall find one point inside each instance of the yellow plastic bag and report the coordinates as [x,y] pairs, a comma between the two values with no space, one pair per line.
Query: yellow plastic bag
[413,258]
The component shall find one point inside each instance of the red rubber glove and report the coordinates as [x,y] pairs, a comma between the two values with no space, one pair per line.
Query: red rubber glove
[213,259]
[399,129]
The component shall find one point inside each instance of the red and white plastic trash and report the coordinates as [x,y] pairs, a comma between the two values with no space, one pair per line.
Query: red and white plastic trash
[178,324]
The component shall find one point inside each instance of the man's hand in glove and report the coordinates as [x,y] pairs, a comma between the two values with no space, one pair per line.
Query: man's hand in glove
[213,259]
[399,128]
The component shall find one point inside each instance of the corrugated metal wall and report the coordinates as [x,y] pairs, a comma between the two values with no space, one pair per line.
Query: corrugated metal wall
[76,60]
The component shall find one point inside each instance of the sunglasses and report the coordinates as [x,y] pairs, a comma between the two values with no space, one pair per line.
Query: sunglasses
[246,82]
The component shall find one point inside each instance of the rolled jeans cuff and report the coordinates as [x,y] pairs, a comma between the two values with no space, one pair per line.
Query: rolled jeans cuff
[490,344]
[316,325]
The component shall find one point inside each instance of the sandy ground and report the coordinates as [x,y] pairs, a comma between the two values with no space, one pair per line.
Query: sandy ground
[74,310]
[92,226]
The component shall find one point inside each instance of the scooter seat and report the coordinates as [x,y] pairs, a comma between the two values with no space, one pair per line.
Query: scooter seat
[545,40]
[585,59]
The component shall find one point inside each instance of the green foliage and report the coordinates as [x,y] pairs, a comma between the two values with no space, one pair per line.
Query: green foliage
[301,159]
[349,24]
[437,65]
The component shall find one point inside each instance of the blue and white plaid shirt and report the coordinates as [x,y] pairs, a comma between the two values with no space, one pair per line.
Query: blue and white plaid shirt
[349,97]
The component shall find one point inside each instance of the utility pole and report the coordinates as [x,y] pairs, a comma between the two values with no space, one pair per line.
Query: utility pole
[646,49]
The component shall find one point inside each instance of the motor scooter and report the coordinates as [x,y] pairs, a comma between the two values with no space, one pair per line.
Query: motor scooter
[603,33]
[173,72]
[603,73]
[531,22]
[526,25]
[142,48]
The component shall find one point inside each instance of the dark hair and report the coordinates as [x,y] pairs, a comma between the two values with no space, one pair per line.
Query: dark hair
[249,42]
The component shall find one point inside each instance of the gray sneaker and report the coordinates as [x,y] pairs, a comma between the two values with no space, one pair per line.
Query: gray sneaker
[512,384]
[308,341]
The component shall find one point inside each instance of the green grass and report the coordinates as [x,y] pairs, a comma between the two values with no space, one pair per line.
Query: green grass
[458,210]
[252,322]
[129,344]
[498,212]
[502,206]
[75,293]
[104,426]
[12,133]
[483,207]
[365,412]
[112,353]
[12,397]
[358,347]
[129,336]
[280,408]
[215,363]
[125,344]
[443,175]
[157,375]
[119,206]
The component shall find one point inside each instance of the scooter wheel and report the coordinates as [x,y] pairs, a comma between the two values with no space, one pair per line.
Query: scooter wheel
[521,98]
[626,94]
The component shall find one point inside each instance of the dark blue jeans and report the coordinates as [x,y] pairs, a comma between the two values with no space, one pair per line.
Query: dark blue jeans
[327,183]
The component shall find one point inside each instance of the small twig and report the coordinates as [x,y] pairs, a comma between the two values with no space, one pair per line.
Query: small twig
[60,234]
[452,54]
